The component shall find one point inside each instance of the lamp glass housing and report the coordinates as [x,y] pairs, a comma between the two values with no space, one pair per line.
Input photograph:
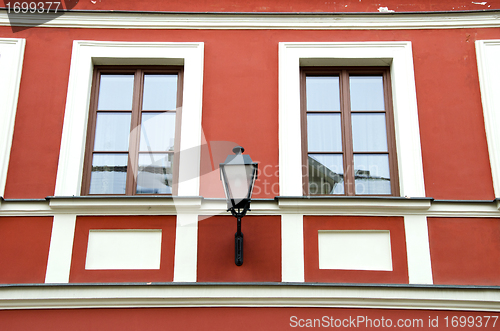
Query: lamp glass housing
[238,174]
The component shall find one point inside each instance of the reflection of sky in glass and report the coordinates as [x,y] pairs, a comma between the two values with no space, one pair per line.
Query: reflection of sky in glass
[109,174]
[367,93]
[112,132]
[157,132]
[368,132]
[160,92]
[116,92]
[322,93]
[326,174]
[372,172]
[324,133]
[155,174]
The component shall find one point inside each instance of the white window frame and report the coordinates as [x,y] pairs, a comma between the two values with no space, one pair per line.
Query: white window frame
[398,56]
[488,65]
[85,55]
[11,64]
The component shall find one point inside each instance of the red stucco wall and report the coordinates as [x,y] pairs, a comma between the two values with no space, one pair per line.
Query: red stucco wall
[240,102]
[281,6]
[244,319]
[465,251]
[261,249]
[24,249]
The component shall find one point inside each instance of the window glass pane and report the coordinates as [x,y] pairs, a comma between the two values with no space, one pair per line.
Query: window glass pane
[369,132]
[326,174]
[112,132]
[155,173]
[116,92]
[160,92]
[371,173]
[157,132]
[322,93]
[109,174]
[367,93]
[324,133]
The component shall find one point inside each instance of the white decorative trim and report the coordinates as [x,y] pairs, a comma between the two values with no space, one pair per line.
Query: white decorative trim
[11,64]
[130,296]
[488,65]
[292,248]
[199,206]
[309,21]
[355,250]
[186,248]
[124,249]
[417,249]
[85,55]
[61,248]
[397,55]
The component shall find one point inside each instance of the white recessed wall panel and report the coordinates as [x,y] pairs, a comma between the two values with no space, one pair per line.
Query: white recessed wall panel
[355,250]
[123,249]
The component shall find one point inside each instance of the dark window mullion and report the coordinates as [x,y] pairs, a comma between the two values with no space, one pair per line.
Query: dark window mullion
[391,135]
[349,187]
[135,134]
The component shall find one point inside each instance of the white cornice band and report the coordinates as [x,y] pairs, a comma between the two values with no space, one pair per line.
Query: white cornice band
[145,296]
[284,206]
[306,21]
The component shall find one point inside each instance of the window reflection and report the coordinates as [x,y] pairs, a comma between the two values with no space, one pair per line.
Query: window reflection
[109,174]
[155,173]
[116,92]
[371,174]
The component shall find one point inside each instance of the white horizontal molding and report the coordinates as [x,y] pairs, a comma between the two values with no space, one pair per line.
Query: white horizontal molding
[138,296]
[76,19]
[166,205]
[284,206]
[353,204]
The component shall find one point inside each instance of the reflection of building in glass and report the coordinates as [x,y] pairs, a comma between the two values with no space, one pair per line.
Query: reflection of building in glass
[322,180]
[365,183]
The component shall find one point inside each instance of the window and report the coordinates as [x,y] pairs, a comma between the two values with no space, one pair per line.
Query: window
[133,131]
[85,56]
[347,129]
[398,58]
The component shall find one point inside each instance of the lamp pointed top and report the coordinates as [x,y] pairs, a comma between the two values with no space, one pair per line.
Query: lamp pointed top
[238,150]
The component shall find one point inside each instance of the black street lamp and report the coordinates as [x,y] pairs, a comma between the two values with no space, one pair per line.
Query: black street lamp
[238,174]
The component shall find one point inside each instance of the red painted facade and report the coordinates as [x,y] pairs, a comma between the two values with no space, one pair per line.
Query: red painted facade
[349,6]
[456,165]
[261,249]
[463,250]
[458,229]
[24,243]
[227,318]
